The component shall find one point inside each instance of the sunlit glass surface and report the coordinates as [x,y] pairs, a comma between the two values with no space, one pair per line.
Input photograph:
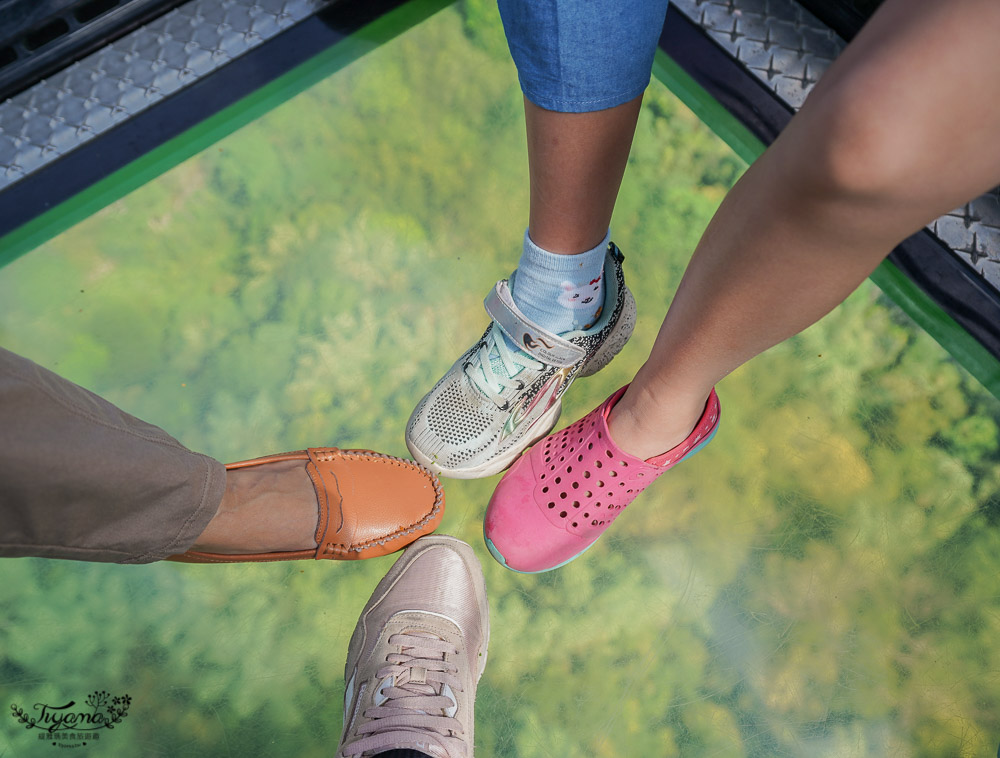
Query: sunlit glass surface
[820,581]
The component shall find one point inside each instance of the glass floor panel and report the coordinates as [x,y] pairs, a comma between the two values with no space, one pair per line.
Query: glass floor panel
[820,581]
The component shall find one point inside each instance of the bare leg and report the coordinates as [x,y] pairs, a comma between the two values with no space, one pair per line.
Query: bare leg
[886,143]
[576,162]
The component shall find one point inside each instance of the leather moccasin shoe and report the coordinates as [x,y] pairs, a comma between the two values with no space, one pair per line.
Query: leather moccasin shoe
[370,504]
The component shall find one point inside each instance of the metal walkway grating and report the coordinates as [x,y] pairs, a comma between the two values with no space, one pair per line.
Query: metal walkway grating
[64,112]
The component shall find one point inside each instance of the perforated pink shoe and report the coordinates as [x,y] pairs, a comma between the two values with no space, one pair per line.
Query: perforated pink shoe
[561,495]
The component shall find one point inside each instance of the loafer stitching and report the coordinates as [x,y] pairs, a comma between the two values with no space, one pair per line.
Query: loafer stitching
[334,548]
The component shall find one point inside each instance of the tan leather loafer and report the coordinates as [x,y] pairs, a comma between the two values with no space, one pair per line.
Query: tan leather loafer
[370,504]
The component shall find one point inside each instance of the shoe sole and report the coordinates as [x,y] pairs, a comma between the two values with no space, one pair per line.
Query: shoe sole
[547,421]
[498,557]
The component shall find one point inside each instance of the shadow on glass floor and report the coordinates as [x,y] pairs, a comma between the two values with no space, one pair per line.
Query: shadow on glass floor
[821,581]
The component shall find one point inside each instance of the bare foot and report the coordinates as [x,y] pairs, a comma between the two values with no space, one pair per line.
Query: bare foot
[267,508]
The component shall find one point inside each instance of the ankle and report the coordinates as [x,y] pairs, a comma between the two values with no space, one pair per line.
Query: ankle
[560,292]
[646,427]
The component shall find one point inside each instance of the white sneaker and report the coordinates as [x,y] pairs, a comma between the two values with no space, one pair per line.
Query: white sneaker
[494,401]
[417,654]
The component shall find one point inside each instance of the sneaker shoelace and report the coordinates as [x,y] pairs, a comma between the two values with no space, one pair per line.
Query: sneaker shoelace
[484,368]
[415,705]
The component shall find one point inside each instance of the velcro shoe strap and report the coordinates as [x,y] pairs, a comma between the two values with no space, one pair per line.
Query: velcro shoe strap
[539,343]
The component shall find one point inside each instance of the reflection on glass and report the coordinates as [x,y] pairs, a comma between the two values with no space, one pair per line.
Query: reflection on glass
[820,581]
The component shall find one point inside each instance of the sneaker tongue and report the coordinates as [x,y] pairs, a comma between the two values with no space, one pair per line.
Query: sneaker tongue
[418,674]
[496,363]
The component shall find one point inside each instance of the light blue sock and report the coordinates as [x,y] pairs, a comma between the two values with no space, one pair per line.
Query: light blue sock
[560,292]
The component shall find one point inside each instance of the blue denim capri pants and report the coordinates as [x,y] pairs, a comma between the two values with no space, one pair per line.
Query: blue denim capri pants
[576,56]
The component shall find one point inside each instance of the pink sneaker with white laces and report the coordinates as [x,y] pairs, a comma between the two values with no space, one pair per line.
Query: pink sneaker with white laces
[561,495]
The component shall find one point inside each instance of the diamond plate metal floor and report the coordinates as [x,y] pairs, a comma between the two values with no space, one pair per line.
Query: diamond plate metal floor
[90,97]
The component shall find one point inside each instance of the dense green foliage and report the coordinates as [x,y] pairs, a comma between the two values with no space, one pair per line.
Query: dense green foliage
[819,582]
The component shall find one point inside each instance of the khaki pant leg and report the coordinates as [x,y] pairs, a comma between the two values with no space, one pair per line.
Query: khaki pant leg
[82,479]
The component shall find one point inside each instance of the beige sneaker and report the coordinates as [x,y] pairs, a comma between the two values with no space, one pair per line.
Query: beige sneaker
[417,654]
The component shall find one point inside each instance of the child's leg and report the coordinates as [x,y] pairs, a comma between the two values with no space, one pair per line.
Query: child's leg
[576,162]
[583,65]
[887,142]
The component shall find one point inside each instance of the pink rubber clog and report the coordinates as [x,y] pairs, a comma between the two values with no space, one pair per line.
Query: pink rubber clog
[561,495]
